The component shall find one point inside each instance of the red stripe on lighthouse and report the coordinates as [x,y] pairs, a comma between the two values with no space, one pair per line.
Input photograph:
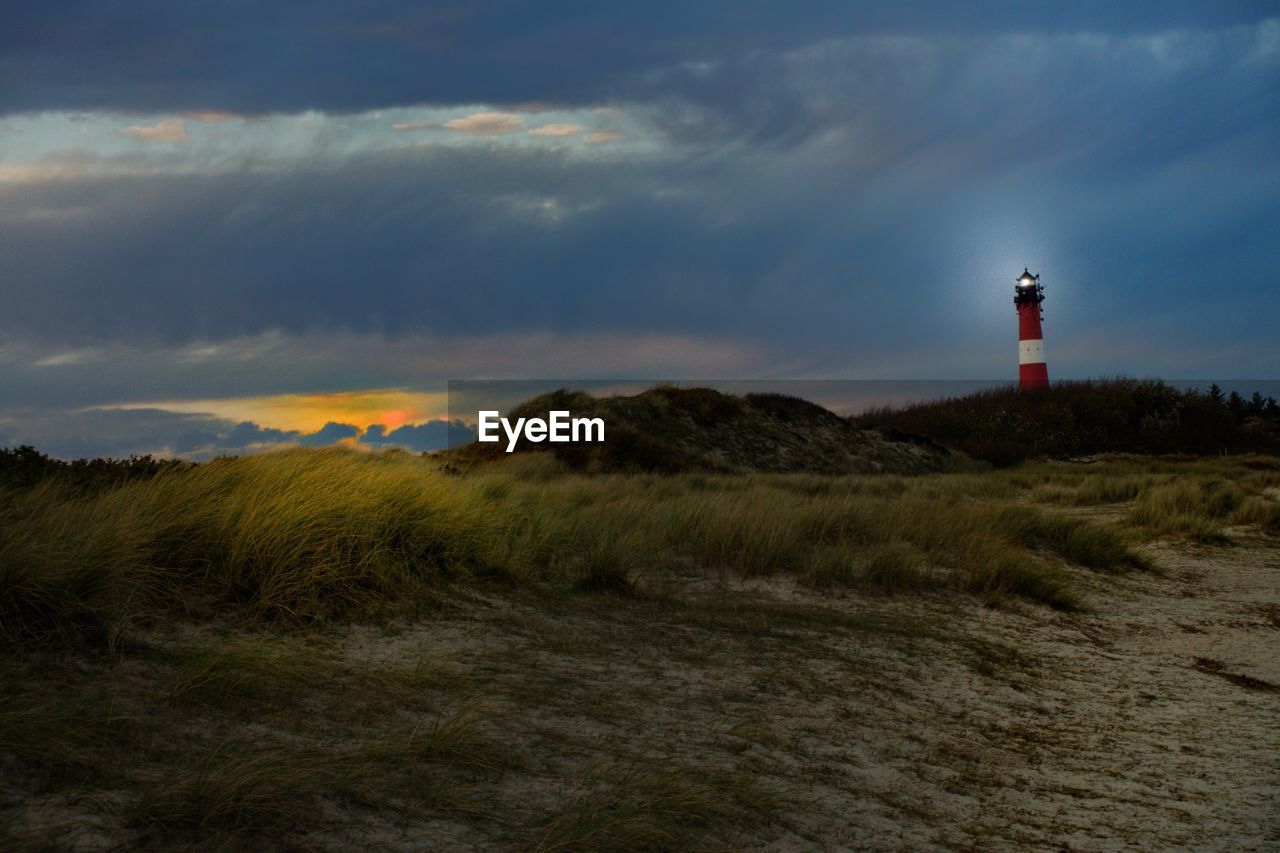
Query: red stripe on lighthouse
[1033,375]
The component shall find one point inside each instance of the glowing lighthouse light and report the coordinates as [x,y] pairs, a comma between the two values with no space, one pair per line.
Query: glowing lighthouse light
[1027,296]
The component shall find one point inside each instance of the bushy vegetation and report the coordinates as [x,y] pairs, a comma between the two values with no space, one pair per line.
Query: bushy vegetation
[1009,425]
[26,466]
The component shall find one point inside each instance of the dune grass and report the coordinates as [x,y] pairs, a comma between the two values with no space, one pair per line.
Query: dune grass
[237,784]
[212,746]
[1257,511]
[239,670]
[307,534]
[1192,499]
[297,535]
[1194,509]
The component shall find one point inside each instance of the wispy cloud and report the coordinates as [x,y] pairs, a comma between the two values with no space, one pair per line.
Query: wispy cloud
[290,381]
[68,358]
[210,116]
[165,132]
[601,137]
[486,124]
[39,173]
[561,129]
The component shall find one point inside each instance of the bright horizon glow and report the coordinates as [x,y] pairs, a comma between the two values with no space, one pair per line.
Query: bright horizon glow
[307,413]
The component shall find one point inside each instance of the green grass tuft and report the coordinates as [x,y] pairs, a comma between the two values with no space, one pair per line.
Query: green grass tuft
[1260,512]
[1190,508]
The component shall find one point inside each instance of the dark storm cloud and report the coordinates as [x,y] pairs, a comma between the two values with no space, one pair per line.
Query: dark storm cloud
[433,435]
[254,58]
[330,433]
[248,434]
[1088,103]
[447,240]
[126,432]
[840,240]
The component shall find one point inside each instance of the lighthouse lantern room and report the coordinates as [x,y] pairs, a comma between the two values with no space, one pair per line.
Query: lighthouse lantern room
[1028,293]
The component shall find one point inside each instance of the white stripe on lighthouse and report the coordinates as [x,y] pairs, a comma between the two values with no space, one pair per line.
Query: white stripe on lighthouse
[1031,352]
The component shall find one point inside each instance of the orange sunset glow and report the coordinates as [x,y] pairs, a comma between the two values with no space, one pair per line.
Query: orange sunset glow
[391,407]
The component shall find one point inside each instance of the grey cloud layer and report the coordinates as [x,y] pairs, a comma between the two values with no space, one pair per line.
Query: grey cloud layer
[347,56]
[36,376]
[793,200]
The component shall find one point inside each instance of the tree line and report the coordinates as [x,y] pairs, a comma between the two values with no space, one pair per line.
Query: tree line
[1007,425]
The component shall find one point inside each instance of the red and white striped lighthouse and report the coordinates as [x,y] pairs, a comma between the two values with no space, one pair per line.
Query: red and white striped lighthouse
[1027,296]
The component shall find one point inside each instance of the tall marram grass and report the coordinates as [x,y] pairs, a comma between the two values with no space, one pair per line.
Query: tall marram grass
[1259,512]
[300,534]
[879,532]
[304,534]
[1184,498]
[1195,509]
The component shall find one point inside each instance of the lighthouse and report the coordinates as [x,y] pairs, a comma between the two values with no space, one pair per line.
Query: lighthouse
[1027,296]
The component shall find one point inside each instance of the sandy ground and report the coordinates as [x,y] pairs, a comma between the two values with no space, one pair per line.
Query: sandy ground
[1156,717]
[1152,719]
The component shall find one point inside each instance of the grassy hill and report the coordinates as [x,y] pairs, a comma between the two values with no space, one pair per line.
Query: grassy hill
[671,430]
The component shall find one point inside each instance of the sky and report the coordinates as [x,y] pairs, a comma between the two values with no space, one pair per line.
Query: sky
[232,226]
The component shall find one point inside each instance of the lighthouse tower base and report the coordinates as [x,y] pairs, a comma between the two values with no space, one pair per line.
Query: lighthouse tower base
[1033,375]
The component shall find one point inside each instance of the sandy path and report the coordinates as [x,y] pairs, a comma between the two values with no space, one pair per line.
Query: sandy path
[1150,720]
[1157,719]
